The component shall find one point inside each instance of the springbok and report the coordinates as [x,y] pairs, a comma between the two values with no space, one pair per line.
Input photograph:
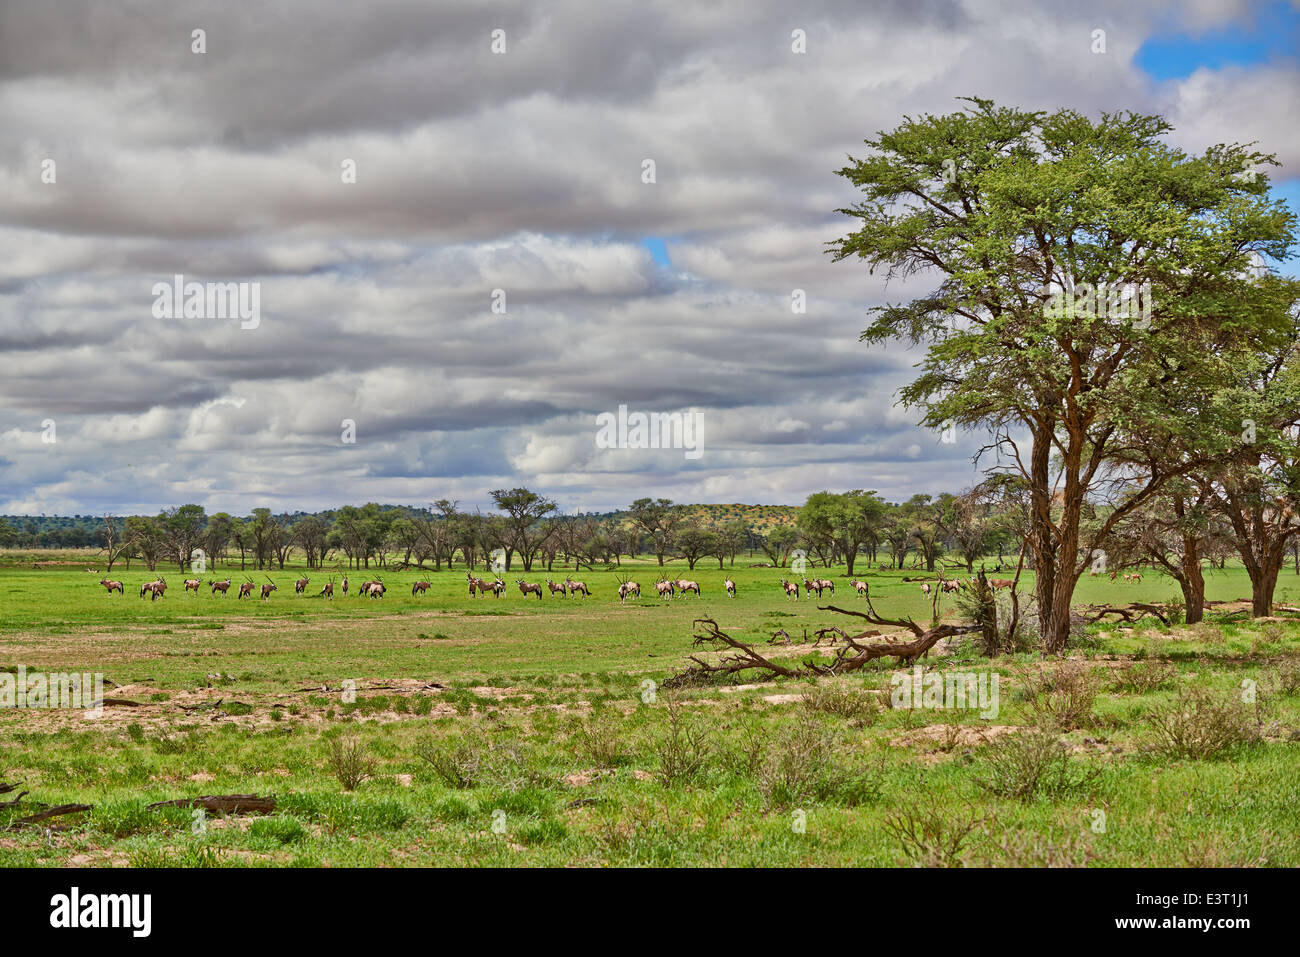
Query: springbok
[575,587]
[562,589]
[529,588]
[861,587]
[112,586]
[1135,577]
[665,588]
[685,586]
[730,586]
[791,589]
[192,585]
[300,585]
[222,587]
[419,588]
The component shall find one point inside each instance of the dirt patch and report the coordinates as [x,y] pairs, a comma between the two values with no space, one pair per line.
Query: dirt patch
[958,736]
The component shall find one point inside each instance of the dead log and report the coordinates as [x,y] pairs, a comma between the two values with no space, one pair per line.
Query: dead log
[225,803]
[1130,613]
[56,811]
[21,795]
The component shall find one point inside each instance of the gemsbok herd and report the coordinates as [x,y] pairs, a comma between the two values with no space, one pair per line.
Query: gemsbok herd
[666,588]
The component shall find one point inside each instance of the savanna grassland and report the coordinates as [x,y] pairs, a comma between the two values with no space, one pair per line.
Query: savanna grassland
[449,730]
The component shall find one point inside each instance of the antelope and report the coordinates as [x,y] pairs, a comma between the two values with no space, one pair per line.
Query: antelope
[1135,577]
[376,589]
[300,585]
[112,586]
[529,588]
[825,584]
[419,588]
[246,589]
[575,587]
[627,588]
[328,590]
[345,584]
[498,588]
[925,588]
[192,584]
[665,588]
[730,586]
[791,589]
[861,587]
[267,589]
[685,586]
[950,584]
[364,588]
[562,589]
[476,585]
[222,587]
[997,583]
[156,589]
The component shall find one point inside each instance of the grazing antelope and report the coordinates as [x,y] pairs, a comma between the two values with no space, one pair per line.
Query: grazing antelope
[562,589]
[666,589]
[791,589]
[328,590]
[997,583]
[246,589]
[860,587]
[627,588]
[192,585]
[575,587]
[222,587]
[529,588]
[950,584]
[730,586]
[112,586]
[419,588]
[300,585]
[685,586]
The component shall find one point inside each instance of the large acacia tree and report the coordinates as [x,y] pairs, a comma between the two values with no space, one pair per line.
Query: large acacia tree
[1003,208]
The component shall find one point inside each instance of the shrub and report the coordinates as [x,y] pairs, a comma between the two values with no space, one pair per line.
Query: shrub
[350,764]
[841,701]
[1030,763]
[1199,723]
[599,740]
[1143,677]
[929,836]
[684,748]
[1062,696]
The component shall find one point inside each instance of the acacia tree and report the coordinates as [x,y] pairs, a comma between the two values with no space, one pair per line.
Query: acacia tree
[525,531]
[656,518]
[1013,212]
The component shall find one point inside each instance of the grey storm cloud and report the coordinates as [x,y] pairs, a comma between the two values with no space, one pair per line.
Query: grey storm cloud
[477,172]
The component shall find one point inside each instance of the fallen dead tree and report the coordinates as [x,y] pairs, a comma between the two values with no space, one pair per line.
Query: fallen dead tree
[1131,613]
[58,810]
[849,657]
[225,803]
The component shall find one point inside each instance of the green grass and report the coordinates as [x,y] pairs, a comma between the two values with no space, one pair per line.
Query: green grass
[524,737]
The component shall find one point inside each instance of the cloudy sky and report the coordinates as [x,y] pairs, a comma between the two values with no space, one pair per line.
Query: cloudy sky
[519,171]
